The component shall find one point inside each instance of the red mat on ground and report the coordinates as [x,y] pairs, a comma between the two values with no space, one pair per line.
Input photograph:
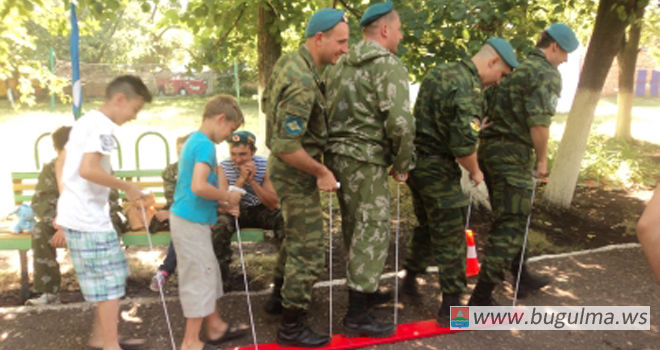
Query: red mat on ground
[421,329]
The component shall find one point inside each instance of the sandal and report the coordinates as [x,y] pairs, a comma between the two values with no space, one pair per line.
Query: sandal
[232,332]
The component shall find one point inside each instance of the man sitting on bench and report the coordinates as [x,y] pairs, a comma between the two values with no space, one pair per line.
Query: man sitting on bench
[259,207]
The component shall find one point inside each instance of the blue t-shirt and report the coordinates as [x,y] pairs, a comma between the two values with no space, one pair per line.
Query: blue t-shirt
[187,205]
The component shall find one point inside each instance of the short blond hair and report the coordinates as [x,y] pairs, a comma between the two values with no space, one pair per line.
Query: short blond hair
[224,104]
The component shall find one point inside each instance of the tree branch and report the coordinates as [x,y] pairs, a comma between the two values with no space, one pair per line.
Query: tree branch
[350,9]
[222,39]
[108,40]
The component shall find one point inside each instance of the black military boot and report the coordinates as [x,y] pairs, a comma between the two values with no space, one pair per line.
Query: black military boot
[482,295]
[529,281]
[378,298]
[409,285]
[358,321]
[294,332]
[448,300]
[274,303]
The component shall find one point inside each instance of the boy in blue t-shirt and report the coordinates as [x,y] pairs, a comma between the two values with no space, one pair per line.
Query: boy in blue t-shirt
[196,198]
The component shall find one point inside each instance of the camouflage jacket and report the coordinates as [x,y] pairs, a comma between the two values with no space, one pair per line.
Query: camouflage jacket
[449,103]
[527,97]
[169,175]
[369,118]
[295,106]
[44,200]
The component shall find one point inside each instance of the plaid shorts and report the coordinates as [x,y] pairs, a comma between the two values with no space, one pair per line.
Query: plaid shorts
[99,262]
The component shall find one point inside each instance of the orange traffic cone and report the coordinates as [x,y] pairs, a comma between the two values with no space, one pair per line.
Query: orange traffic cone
[471,262]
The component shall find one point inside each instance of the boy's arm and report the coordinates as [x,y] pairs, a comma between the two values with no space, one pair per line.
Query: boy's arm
[59,166]
[91,170]
[202,188]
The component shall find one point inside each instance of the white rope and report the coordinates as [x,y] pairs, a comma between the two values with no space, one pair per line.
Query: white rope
[158,282]
[396,254]
[524,245]
[330,308]
[146,226]
[245,282]
[469,212]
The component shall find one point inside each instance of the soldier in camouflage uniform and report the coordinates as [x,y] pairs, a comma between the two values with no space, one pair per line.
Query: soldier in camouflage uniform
[45,238]
[295,108]
[513,150]
[449,104]
[370,128]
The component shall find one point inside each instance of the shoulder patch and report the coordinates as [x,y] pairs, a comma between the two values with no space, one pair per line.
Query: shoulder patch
[475,125]
[107,143]
[553,102]
[293,125]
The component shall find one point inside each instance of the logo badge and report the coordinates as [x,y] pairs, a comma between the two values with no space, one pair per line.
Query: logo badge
[459,317]
[293,125]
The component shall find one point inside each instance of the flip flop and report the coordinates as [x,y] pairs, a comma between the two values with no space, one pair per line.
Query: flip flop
[232,332]
[127,344]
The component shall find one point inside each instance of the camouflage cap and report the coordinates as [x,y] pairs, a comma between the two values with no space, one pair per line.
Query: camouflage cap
[243,136]
[375,12]
[322,20]
[504,49]
[564,36]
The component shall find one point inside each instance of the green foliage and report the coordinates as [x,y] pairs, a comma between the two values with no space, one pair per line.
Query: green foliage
[616,163]
[445,30]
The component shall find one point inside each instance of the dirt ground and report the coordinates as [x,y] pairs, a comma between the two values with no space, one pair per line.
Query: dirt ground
[616,277]
[598,217]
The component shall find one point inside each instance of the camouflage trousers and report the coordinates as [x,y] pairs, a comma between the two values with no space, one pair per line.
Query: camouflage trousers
[47,275]
[510,190]
[257,217]
[364,200]
[441,230]
[302,253]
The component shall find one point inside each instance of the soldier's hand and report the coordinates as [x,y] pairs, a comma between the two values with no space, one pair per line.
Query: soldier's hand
[252,169]
[326,181]
[399,177]
[477,177]
[485,123]
[541,170]
[59,239]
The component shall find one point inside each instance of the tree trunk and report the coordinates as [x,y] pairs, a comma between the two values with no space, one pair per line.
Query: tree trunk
[627,59]
[269,49]
[603,46]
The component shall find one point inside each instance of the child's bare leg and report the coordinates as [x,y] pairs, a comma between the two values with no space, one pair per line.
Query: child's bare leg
[96,336]
[191,339]
[108,316]
[215,325]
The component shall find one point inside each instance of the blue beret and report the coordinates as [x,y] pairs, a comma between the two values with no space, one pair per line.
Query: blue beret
[375,12]
[322,20]
[564,36]
[504,49]
[243,136]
